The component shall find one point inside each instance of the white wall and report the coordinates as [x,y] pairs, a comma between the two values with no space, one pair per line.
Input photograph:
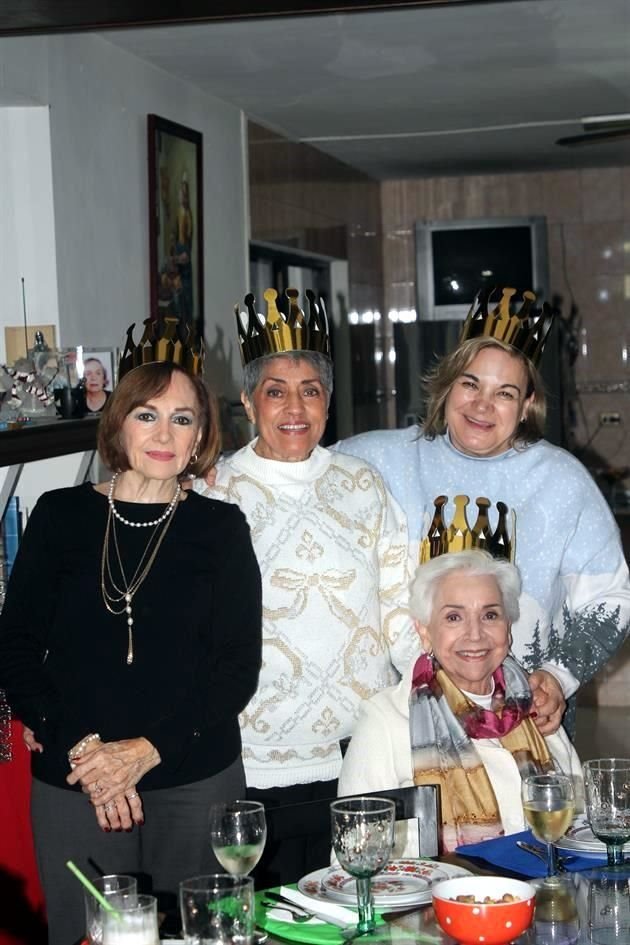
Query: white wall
[27,225]
[99,98]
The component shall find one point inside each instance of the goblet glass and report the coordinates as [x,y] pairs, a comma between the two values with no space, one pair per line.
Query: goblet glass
[238,831]
[363,836]
[549,806]
[607,788]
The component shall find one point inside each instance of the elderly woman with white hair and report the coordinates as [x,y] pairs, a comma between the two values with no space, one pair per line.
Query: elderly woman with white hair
[461,716]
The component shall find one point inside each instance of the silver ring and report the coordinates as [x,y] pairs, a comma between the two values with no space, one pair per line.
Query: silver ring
[130,797]
[97,788]
[108,807]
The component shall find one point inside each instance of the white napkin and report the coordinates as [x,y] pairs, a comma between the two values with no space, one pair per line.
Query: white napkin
[278,914]
[328,911]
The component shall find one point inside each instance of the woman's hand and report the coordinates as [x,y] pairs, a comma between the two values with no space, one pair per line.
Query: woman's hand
[112,770]
[30,741]
[549,701]
[121,813]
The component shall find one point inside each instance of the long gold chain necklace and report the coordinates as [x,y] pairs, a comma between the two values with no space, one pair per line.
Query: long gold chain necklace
[117,595]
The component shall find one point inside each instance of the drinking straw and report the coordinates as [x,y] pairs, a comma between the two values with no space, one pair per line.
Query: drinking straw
[91,888]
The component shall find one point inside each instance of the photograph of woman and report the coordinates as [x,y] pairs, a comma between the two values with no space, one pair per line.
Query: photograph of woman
[97,378]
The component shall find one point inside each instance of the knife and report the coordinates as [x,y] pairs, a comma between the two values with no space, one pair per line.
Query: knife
[541,854]
[276,897]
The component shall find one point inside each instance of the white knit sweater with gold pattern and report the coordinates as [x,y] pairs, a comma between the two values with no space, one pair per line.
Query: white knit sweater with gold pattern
[333,553]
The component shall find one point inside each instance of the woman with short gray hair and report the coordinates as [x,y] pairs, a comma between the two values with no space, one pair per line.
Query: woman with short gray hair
[462,715]
[332,546]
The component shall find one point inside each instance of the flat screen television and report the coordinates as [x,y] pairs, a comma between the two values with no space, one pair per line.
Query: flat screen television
[456,258]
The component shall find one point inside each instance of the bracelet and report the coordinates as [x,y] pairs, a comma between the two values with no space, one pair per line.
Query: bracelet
[77,749]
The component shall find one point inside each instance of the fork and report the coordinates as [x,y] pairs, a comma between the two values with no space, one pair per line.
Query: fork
[299,915]
[540,853]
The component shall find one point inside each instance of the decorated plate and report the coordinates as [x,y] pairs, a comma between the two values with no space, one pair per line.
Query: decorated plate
[401,885]
[579,838]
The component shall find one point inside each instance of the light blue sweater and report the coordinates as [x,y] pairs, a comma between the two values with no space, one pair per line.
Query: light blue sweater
[575,605]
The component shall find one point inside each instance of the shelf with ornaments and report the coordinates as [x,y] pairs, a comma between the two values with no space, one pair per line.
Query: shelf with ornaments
[46,438]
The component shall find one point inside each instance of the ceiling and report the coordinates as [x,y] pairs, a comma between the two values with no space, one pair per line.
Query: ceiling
[409,91]
[452,89]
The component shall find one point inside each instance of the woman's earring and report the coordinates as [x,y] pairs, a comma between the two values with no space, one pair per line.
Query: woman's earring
[193,459]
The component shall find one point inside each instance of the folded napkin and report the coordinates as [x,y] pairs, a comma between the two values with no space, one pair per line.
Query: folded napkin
[323,910]
[317,931]
[503,852]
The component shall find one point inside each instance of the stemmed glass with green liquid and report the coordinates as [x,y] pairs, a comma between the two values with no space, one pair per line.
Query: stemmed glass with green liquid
[238,831]
[549,808]
[607,786]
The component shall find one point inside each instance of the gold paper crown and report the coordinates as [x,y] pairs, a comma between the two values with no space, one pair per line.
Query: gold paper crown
[277,333]
[169,339]
[526,329]
[459,536]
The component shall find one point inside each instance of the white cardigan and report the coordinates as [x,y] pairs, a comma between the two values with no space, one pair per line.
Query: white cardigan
[379,757]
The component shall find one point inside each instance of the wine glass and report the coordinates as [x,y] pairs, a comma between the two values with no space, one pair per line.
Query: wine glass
[363,836]
[238,831]
[607,788]
[549,806]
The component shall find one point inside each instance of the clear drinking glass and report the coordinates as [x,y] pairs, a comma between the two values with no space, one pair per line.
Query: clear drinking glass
[118,888]
[557,921]
[134,923]
[607,788]
[238,831]
[609,906]
[217,909]
[549,807]
[363,836]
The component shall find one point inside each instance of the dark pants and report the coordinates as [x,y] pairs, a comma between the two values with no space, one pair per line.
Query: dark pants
[173,844]
[288,861]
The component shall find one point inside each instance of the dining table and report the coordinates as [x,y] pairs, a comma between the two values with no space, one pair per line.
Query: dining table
[561,918]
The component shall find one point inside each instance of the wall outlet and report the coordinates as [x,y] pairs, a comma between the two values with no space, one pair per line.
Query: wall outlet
[610,419]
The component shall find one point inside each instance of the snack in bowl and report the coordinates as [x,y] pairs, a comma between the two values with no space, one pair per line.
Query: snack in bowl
[484,909]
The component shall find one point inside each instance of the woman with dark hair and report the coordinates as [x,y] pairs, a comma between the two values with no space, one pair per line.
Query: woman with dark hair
[129,642]
[483,436]
[332,548]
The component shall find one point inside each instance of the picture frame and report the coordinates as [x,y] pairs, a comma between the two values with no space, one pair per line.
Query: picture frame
[96,367]
[175,156]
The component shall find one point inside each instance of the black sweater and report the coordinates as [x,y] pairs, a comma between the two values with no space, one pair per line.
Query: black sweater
[197,635]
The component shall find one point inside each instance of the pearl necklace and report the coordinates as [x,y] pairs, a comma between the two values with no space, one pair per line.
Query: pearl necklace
[113,595]
[125,521]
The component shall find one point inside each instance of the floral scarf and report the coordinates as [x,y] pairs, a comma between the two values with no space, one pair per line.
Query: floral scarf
[443,726]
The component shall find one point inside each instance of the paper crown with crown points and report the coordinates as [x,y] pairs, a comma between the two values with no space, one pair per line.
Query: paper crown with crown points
[167,339]
[277,333]
[525,329]
[459,536]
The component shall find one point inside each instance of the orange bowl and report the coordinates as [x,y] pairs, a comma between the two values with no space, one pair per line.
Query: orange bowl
[479,923]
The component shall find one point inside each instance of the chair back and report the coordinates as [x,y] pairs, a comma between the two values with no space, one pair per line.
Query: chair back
[312,818]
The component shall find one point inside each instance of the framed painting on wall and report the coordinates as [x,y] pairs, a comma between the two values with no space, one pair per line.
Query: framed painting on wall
[176,221]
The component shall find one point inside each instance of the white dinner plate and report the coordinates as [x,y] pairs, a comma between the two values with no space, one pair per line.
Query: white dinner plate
[401,885]
[579,838]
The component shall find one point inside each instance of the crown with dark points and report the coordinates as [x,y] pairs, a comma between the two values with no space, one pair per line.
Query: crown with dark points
[277,333]
[444,539]
[494,314]
[167,339]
